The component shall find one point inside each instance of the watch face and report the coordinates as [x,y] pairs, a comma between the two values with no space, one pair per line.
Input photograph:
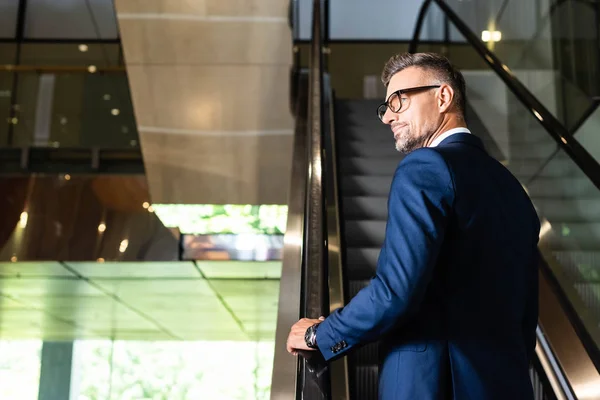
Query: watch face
[309,337]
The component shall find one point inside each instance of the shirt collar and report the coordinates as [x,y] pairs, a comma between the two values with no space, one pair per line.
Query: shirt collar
[447,134]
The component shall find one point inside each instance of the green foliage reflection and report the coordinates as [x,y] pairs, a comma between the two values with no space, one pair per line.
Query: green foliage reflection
[230,218]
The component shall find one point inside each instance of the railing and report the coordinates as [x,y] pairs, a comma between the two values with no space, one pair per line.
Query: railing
[304,283]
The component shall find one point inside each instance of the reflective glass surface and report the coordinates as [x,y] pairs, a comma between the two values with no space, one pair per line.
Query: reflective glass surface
[565,198]
[94,303]
[65,95]
[76,218]
[553,47]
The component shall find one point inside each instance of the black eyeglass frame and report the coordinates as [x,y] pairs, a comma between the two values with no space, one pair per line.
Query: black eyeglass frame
[398,93]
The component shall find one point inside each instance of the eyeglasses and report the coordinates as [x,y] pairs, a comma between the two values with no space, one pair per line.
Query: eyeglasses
[394,101]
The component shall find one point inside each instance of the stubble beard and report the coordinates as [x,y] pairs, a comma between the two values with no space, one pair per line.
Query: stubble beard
[407,143]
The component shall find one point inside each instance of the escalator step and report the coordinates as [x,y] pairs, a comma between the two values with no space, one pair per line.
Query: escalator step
[588,293]
[354,286]
[366,355]
[359,148]
[568,210]
[364,233]
[573,187]
[369,165]
[366,185]
[364,131]
[366,382]
[361,262]
[576,235]
[365,207]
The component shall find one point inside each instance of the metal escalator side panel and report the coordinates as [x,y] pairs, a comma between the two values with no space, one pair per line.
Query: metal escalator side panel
[563,354]
[285,366]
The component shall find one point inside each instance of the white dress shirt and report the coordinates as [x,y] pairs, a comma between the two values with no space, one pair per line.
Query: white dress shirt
[447,134]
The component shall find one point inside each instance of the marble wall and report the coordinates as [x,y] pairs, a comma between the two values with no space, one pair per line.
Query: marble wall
[210,83]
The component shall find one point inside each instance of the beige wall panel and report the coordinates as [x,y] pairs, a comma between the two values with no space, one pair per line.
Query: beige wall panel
[210,87]
[211,98]
[172,41]
[218,170]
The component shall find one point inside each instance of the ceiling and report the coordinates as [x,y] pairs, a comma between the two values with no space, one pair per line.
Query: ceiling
[209,82]
[139,301]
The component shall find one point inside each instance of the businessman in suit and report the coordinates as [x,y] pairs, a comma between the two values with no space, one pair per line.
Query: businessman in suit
[454,299]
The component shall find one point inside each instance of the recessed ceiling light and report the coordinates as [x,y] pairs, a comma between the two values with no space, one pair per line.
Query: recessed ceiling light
[23,219]
[83,48]
[92,69]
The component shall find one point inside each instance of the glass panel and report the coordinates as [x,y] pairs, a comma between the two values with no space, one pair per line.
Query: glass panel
[589,134]
[305,8]
[139,346]
[381,20]
[567,202]
[65,97]
[73,109]
[551,46]
[19,367]
[68,19]
[228,218]
[64,217]
[8,18]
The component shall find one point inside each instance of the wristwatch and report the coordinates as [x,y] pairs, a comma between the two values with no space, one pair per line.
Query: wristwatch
[310,337]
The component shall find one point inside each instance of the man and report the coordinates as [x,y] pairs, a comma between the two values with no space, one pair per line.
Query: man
[454,299]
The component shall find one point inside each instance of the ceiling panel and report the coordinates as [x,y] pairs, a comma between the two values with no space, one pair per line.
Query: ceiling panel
[139,288]
[248,289]
[37,269]
[7,303]
[68,19]
[160,308]
[35,287]
[240,269]
[101,315]
[175,269]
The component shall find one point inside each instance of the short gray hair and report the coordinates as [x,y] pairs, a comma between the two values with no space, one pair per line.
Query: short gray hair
[439,65]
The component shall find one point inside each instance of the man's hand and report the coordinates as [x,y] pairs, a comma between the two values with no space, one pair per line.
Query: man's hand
[295,339]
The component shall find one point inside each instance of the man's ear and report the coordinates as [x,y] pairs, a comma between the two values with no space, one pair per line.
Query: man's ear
[445,97]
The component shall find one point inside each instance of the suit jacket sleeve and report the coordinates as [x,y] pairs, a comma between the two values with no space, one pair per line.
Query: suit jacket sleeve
[419,207]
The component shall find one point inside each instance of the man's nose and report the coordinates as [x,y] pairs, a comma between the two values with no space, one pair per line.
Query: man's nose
[389,116]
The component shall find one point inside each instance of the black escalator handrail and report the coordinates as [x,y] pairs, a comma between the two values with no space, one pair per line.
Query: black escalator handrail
[314,378]
[555,129]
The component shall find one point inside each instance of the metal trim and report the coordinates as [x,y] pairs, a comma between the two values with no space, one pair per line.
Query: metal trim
[285,367]
[314,373]
[339,369]
[570,361]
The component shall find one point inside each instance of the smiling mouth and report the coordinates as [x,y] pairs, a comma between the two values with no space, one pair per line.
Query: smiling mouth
[396,128]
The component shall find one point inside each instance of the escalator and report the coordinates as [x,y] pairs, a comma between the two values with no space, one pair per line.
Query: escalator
[560,175]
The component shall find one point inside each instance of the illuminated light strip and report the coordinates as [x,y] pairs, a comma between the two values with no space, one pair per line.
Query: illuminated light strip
[177,131]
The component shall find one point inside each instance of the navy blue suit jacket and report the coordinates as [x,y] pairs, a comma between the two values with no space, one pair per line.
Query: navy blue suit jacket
[454,299]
